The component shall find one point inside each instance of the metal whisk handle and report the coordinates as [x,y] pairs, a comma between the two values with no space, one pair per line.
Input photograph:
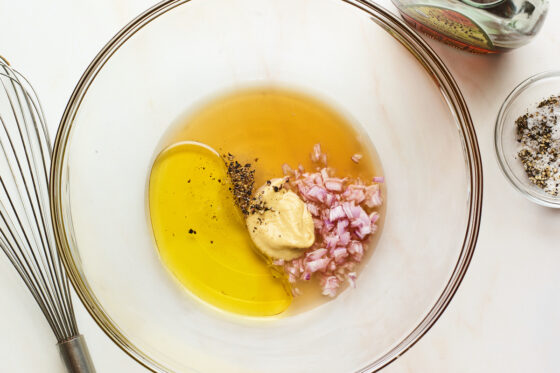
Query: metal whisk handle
[76,356]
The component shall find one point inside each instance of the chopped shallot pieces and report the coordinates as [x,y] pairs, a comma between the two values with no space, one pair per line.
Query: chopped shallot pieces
[316,155]
[316,254]
[352,279]
[333,184]
[336,213]
[330,285]
[316,265]
[342,210]
[313,209]
[356,158]
[316,193]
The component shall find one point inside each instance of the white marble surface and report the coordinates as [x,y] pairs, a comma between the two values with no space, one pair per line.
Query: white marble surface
[504,317]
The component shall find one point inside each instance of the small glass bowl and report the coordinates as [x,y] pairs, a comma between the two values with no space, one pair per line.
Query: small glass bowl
[522,99]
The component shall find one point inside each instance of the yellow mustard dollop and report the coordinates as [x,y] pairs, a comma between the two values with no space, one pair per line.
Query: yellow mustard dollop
[283,227]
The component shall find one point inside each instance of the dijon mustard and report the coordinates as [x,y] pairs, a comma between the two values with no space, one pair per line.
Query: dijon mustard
[280,225]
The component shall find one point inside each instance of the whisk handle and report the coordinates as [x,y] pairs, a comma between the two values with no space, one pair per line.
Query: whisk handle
[76,356]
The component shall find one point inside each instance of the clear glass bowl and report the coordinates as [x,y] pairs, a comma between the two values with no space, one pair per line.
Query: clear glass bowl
[350,52]
[524,97]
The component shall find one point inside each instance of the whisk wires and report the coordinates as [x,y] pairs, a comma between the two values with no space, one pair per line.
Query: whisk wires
[26,232]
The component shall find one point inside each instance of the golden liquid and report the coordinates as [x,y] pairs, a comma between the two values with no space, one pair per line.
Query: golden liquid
[202,238]
[277,126]
[266,127]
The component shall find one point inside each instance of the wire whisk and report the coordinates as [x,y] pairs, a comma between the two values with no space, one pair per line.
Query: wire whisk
[26,230]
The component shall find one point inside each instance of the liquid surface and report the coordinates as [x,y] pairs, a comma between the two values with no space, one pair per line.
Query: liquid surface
[266,127]
[277,126]
[202,238]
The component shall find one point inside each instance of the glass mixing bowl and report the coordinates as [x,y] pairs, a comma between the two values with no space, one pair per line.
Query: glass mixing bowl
[353,53]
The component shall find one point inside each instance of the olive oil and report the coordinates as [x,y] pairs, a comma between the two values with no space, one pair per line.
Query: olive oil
[201,235]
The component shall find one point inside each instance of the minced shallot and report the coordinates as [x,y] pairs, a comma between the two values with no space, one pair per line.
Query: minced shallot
[342,210]
[356,158]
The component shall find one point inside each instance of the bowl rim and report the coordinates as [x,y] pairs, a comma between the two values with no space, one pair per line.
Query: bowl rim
[406,36]
[521,186]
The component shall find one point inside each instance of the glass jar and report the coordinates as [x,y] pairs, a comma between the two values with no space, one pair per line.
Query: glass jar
[479,26]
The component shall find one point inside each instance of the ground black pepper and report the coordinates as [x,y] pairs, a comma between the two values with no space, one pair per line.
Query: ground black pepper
[538,133]
[243,180]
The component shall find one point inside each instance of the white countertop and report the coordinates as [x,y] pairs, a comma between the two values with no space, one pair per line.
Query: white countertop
[505,316]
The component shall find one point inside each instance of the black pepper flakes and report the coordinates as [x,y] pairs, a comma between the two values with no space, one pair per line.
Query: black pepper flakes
[538,134]
[243,180]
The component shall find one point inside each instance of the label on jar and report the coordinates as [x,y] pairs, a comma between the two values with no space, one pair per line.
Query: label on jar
[451,24]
